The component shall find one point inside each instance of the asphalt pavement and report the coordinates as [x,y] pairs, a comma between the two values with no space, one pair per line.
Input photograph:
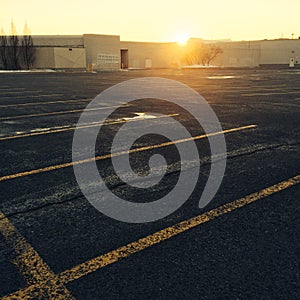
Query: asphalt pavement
[243,245]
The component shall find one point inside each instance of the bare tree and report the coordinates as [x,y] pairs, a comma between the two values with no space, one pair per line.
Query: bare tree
[202,54]
[14,48]
[3,50]
[210,53]
[27,48]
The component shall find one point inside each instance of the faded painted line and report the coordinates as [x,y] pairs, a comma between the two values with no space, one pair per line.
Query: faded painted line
[269,94]
[31,96]
[78,127]
[11,89]
[57,113]
[31,266]
[110,155]
[45,102]
[18,92]
[114,256]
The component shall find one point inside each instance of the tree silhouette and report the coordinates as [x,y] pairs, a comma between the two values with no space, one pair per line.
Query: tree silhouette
[209,53]
[16,52]
[14,48]
[3,50]
[202,54]
[27,48]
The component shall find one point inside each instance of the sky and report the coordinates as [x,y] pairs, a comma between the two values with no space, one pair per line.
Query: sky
[156,20]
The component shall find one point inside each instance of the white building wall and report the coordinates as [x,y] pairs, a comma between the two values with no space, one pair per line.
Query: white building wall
[102,51]
[52,52]
[44,58]
[155,55]
[69,58]
[58,40]
[238,54]
[279,52]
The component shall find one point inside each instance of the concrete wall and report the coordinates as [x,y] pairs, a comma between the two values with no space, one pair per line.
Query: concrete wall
[279,52]
[154,55]
[44,58]
[69,58]
[238,54]
[59,58]
[102,51]
[234,54]
[58,40]
[52,52]
[259,53]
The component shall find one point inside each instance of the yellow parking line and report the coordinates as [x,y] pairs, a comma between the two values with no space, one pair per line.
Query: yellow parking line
[113,256]
[56,113]
[31,266]
[98,158]
[150,240]
[78,127]
[42,103]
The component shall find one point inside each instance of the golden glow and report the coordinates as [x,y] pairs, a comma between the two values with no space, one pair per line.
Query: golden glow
[158,21]
[182,38]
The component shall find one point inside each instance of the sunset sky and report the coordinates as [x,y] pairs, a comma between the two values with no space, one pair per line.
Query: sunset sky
[156,20]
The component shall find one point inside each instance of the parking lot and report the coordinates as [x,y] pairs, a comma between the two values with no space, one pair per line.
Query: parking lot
[244,245]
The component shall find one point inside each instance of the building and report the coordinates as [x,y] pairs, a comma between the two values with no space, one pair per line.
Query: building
[109,53]
[265,53]
[101,52]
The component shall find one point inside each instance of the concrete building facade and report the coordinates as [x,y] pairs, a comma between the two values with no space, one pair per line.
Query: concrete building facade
[141,55]
[239,54]
[280,52]
[102,51]
[99,52]
[108,53]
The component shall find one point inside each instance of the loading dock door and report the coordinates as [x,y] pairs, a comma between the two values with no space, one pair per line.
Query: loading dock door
[124,58]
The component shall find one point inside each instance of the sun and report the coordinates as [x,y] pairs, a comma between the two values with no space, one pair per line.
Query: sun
[182,38]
